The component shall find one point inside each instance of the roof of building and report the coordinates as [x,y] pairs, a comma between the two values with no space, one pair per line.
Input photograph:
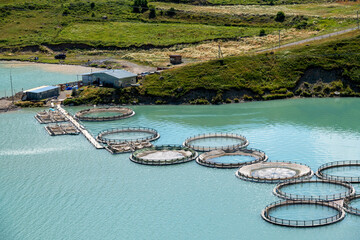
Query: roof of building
[41,89]
[115,73]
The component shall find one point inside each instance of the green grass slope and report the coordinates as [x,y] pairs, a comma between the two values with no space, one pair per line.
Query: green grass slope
[318,70]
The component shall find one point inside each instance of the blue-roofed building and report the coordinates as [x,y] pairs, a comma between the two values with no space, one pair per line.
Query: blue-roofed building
[42,92]
[110,78]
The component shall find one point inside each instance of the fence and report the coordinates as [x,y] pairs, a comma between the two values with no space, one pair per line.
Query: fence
[303,223]
[250,178]
[123,113]
[259,155]
[331,197]
[345,163]
[154,135]
[140,160]
[244,142]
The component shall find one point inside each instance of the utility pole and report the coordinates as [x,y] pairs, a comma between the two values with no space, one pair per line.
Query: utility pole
[220,54]
[279,38]
[11,83]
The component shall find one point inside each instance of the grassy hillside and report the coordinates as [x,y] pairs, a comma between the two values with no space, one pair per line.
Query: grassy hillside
[330,68]
[269,75]
[113,23]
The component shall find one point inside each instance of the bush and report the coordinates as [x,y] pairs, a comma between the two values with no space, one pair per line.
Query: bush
[247,98]
[228,100]
[262,32]
[280,17]
[200,101]
[236,100]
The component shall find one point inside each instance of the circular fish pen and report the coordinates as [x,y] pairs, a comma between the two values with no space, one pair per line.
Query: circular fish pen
[304,213]
[216,141]
[344,171]
[104,114]
[309,190]
[352,204]
[231,159]
[163,155]
[130,134]
[274,172]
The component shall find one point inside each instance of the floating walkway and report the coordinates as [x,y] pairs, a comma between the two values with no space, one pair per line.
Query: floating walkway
[266,214]
[45,117]
[338,165]
[62,129]
[83,130]
[121,113]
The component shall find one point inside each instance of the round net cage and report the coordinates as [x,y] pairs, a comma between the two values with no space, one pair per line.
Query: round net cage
[303,213]
[344,171]
[274,172]
[216,141]
[104,114]
[163,155]
[321,190]
[128,134]
[231,159]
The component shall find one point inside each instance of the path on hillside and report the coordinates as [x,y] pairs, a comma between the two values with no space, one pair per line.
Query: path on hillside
[310,39]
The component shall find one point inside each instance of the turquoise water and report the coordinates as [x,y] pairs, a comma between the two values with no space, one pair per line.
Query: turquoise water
[231,159]
[355,203]
[215,142]
[29,76]
[314,189]
[62,188]
[303,212]
[353,171]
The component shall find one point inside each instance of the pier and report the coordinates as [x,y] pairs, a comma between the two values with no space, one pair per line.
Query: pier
[81,128]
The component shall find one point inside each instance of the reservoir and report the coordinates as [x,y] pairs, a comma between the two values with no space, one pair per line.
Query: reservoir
[63,188]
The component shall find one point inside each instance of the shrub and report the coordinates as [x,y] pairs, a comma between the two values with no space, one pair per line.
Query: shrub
[280,17]
[247,98]
[92,5]
[228,100]
[200,101]
[262,32]
[236,100]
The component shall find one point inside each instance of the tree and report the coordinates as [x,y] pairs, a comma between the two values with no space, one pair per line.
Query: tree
[92,5]
[136,6]
[152,13]
[144,5]
[280,16]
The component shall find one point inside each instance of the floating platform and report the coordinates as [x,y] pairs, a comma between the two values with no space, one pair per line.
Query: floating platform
[81,128]
[267,216]
[104,114]
[321,172]
[280,192]
[62,129]
[46,117]
[127,147]
[274,172]
[164,155]
[213,158]
[216,141]
[135,134]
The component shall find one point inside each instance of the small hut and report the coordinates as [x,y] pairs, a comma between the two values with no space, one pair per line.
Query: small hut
[175,59]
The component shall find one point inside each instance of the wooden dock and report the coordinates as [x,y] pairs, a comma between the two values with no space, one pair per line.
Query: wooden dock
[81,128]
